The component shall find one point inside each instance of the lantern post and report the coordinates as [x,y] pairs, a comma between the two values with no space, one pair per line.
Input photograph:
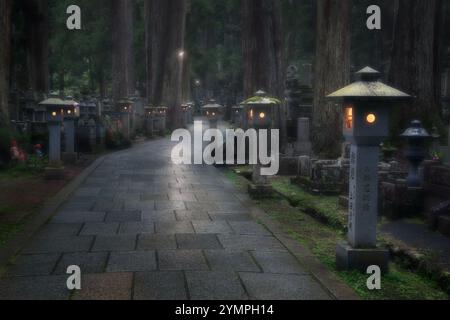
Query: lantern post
[55,115]
[71,114]
[366,106]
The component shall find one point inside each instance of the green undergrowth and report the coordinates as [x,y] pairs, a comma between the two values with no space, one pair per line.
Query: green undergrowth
[323,208]
[321,240]
[7,230]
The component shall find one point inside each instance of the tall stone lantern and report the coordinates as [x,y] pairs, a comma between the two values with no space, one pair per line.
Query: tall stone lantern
[71,114]
[261,112]
[366,106]
[55,116]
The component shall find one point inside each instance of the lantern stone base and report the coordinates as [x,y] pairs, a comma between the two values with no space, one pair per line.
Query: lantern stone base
[349,258]
[54,173]
[70,157]
[260,191]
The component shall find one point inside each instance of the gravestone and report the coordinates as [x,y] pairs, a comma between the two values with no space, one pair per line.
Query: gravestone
[303,147]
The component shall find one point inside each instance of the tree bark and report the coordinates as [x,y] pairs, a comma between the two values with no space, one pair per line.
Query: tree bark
[5,56]
[262,45]
[331,72]
[165,33]
[123,55]
[37,47]
[416,61]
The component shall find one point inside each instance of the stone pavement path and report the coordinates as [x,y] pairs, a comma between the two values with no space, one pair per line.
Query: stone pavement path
[142,228]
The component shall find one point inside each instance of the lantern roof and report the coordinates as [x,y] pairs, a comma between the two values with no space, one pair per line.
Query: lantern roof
[70,102]
[261,98]
[52,101]
[416,131]
[369,87]
[125,101]
[212,105]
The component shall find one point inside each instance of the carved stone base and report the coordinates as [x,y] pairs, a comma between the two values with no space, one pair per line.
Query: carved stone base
[348,258]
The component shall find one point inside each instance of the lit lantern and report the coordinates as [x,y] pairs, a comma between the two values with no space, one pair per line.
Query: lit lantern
[71,114]
[125,105]
[55,115]
[55,108]
[262,111]
[213,111]
[366,105]
[71,109]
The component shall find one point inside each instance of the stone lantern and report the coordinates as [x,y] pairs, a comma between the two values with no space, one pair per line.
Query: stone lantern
[149,116]
[71,115]
[417,138]
[261,112]
[160,116]
[55,116]
[366,105]
[213,111]
[126,110]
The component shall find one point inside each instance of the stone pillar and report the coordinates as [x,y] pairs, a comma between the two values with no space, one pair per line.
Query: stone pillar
[303,146]
[54,144]
[126,125]
[54,171]
[69,155]
[363,210]
[361,250]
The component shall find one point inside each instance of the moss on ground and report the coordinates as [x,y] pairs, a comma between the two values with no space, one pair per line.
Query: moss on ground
[321,240]
[324,208]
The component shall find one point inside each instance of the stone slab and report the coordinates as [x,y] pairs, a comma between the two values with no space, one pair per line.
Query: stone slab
[159,286]
[214,285]
[105,286]
[197,241]
[114,243]
[264,286]
[132,261]
[177,260]
[156,242]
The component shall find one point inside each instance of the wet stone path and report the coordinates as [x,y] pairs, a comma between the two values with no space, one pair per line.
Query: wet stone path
[140,227]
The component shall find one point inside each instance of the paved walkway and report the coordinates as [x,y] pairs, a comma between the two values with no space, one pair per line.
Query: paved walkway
[142,228]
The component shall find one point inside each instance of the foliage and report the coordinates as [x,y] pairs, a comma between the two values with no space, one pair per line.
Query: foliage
[80,59]
[115,139]
[322,207]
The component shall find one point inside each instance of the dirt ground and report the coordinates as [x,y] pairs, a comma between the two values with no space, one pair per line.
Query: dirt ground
[23,195]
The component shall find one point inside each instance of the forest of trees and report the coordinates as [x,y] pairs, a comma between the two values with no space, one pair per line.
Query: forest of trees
[226,49]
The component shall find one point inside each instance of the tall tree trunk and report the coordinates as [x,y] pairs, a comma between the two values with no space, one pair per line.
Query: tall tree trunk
[123,56]
[416,61]
[5,56]
[37,48]
[331,72]
[262,45]
[165,33]
[263,53]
